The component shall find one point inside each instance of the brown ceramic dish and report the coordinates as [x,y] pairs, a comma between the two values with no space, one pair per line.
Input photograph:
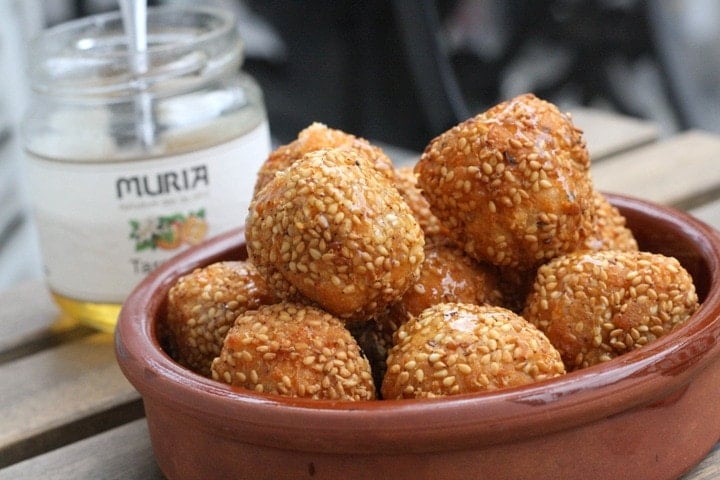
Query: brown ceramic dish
[652,413]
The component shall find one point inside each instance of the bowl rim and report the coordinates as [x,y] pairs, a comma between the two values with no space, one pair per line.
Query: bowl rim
[637,378]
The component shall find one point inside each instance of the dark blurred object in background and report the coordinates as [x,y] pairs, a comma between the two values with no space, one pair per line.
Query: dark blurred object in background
[344,66]
[404,70]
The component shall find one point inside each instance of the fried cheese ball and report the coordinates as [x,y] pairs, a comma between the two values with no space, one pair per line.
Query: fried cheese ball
[609,228]
[512,184]
[448,275]
[294,350]
[595,306]
[202,306]
[455,348]
[318,136]
[406,183]
[334,230]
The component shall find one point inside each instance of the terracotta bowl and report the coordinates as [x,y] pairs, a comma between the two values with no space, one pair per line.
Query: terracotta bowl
[652,413]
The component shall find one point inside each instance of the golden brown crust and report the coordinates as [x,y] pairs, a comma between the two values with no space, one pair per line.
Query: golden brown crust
[203,305]
[511,184]
[296,351]
[317,136]
[594,306]
[459,348]
[406,183]
[448,275]
[334,230]
[609,230]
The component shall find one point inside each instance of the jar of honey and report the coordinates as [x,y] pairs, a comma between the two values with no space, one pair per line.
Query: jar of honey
[128,167]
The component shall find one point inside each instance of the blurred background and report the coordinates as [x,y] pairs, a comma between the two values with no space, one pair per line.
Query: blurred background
[402,71]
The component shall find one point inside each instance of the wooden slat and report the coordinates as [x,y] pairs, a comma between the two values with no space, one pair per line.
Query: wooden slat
[18,320]
[608,133]
[708,469]
[683,171]
[30,322]
[62,394]
[709,212]
[121,453]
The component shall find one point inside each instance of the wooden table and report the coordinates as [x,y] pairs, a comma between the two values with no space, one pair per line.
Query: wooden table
[67,411]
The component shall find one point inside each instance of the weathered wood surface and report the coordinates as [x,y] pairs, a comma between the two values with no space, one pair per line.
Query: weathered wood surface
[121,453]
[709,213]
[59,381]
[608,133]
[683,171]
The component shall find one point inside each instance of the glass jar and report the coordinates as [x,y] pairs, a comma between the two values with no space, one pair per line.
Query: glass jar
[127,167]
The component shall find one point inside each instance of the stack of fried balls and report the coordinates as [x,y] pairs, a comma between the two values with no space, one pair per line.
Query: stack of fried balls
[492,263]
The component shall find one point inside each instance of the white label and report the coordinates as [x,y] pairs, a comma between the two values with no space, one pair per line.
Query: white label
[104,226]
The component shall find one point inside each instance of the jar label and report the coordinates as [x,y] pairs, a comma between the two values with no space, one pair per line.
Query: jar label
[104,226]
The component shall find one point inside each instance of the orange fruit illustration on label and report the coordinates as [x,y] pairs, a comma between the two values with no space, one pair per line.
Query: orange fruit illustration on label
[193,230]
[168,232]
[171,238]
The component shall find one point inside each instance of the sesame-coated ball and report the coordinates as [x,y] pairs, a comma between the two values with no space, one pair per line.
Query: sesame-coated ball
[202,306]
[455,348]
[594,306]
[406,184]
[512,184]
[609,228]
[331,228]
[318,136]
[609,233]
[448,275]
[294,350]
